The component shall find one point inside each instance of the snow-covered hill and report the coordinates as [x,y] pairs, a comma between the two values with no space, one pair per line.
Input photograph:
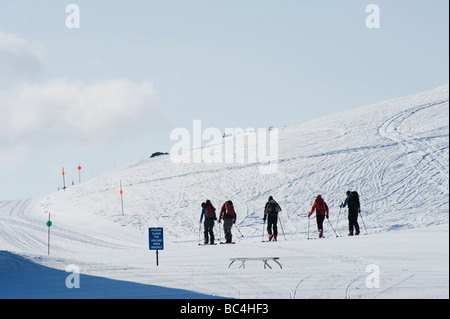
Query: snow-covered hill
[394,153]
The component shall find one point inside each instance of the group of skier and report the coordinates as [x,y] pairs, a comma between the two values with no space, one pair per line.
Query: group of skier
[227,214]
[322,212]
[271,210]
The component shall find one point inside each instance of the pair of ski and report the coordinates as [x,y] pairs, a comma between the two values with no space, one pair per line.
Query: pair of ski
[222,243]
[322,237]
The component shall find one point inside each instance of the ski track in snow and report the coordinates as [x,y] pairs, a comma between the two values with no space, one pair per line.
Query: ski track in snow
[395,285]
[425,153]
[394,153]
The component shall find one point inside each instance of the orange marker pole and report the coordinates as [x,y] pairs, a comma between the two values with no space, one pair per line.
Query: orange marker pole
[64,179]
[79,174]
[121,195]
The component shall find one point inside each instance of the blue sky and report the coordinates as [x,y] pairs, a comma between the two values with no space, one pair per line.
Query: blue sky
[162,64]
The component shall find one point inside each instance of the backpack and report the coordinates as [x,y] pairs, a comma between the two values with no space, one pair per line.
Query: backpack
[229,208]
[320,206]
[353,200]
[209,211]
[273,207]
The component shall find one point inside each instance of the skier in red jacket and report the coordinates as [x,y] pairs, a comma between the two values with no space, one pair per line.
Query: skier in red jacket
[228,215]
[321,209]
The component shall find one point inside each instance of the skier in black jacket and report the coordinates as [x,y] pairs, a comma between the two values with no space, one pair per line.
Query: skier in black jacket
[209,212]
[271,211]
[354,207]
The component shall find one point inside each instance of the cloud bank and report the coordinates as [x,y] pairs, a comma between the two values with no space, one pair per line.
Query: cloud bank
[73,111]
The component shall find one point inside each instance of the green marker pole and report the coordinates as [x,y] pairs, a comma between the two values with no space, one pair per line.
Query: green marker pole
[49,224]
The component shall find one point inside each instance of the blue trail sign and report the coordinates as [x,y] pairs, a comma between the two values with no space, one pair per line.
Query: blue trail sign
[156,240]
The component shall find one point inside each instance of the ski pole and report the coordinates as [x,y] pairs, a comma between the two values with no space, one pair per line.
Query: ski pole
[220,233]
[263,232]
[281,224]
[309,221]
[199,232]
[337,222]
[363,222]
[220,230]
[223,230]
[332,228]
[238,230]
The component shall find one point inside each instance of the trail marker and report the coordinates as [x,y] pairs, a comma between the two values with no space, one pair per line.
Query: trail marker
[156,240]
[64,179]
[49,224]
[79,174]
[121,195]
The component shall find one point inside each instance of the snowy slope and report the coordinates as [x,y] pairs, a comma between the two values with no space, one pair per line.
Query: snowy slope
[394,153]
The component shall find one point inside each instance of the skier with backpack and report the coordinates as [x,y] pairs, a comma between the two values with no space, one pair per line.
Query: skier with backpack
[321,209]
[228,215]
[354,208]
[209,212]
[271,211]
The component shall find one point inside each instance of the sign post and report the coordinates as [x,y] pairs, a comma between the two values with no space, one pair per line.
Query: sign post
[156,240]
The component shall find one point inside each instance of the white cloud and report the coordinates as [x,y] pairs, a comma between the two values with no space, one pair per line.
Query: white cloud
[74,110]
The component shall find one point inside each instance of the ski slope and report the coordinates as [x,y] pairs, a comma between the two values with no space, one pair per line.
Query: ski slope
[394,153]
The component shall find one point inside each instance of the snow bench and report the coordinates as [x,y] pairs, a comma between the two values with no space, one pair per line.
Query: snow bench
[263,259]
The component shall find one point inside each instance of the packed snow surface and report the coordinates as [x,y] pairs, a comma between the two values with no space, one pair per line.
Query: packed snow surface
[394,153]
